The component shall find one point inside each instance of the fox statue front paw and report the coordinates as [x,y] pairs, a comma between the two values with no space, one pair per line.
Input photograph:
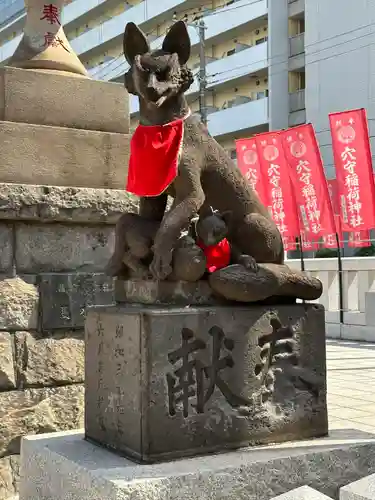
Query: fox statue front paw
[161,265]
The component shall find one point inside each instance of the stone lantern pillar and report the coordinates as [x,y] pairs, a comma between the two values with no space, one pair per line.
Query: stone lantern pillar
[44,45]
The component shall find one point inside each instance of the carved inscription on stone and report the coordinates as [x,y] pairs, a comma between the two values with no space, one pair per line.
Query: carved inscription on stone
[66,296]
[279,360]
[194,379]
[100,368]
[192,382]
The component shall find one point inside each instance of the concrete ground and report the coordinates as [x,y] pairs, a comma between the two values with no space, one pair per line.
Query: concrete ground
[351,385]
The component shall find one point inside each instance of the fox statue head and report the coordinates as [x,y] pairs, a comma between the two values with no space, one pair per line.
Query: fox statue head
[158,77]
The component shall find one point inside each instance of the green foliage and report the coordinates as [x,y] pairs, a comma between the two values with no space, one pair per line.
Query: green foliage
[326,253]
[365,251]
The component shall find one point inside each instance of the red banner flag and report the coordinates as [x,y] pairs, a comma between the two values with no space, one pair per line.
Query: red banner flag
[359,239]
[309,242]
[289,243]
[309,181]
[339,232]
[278,189]
[355,180]
[334,195]
[329,240]
[248,163]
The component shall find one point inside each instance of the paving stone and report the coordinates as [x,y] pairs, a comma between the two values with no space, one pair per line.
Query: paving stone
[60,247]
[65,297]
[364,489]
[303,493]
[19,302]
[56,360]
[66,466]
[35,411]
[7,376]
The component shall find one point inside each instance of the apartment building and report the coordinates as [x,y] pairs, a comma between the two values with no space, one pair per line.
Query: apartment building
[271,64]
[237,47]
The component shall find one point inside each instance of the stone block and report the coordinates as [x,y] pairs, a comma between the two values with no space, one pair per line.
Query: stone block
[19,305]
[34,411]
[203,379]
[57,156]
[363,489]
[58,248]
[9,476]
[172,293]
[6,246]
[56,360]
[65,297]
[7,376]
[302,493]
[64,204]
[48,98]
[65,466]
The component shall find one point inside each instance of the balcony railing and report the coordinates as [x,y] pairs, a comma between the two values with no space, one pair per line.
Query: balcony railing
[11,11]
[296,45]
[297,101]
[226,19]
[242,117]
[229,68]
[104,32]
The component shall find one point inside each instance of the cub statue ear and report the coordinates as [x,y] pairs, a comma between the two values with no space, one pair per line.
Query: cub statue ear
[177,41]
[227,217]
[135,42]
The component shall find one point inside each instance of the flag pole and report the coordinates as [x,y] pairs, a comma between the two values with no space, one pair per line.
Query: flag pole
[301,254]
[341,288]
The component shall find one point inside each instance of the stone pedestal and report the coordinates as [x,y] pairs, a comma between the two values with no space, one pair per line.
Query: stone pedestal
[49,98]
[58,241]
[44,44]
[64,151]
[62,131]
[64,465]
[168,382]
[167,293]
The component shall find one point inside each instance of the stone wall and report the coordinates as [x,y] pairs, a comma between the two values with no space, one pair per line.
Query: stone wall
[55,243]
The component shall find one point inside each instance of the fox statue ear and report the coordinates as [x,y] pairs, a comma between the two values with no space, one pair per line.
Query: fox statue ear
[135,42]
[177,41]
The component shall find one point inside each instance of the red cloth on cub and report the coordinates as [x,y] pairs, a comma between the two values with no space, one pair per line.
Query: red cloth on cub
[217,256]
[153,163]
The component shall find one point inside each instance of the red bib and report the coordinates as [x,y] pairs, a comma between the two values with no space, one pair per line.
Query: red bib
[217,256]
[153,163]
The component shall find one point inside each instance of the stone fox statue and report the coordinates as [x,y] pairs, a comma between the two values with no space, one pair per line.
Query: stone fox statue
[204,175]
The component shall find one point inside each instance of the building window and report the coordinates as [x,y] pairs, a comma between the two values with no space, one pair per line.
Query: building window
[261,40]
[233,154]
[302,80]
